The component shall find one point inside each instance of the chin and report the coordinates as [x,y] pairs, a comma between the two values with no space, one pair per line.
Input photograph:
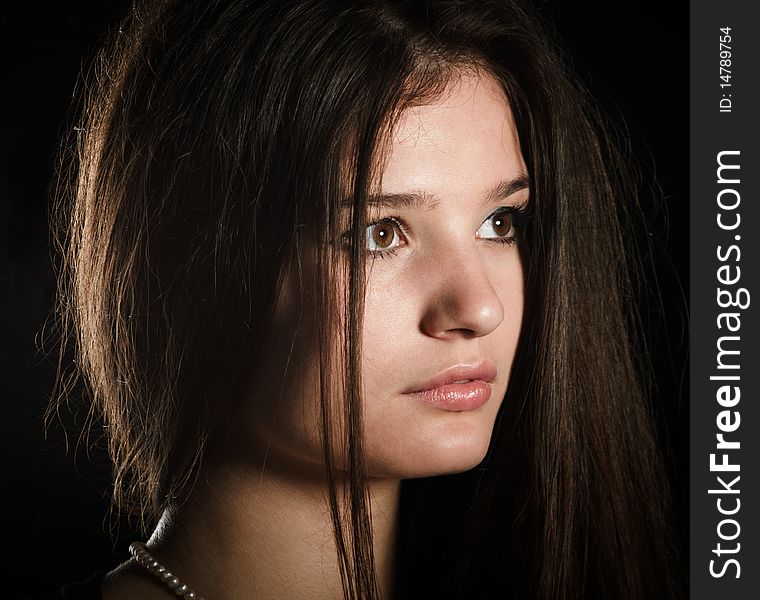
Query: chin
[439,452]
[461,454]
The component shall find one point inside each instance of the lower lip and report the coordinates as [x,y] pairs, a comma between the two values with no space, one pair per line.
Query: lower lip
[456,397]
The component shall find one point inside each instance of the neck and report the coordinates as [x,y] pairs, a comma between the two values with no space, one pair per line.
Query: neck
[268,535]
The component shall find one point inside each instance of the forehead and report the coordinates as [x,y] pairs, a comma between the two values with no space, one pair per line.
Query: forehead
[465,138]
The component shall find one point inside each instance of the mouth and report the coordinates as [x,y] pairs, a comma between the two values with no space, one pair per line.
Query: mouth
[459,388]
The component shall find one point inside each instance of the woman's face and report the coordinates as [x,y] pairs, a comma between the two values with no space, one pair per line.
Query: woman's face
[443,304]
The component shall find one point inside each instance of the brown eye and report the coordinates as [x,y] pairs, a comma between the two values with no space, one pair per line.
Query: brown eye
[497,226]
[383,235]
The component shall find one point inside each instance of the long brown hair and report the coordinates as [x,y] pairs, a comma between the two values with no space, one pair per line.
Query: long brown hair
[217,137]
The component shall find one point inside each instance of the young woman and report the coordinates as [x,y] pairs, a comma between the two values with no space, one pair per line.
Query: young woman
[350,287]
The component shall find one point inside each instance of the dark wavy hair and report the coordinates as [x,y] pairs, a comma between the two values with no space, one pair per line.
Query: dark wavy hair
[216,137]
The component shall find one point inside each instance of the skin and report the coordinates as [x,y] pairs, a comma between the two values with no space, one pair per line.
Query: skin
[257,524]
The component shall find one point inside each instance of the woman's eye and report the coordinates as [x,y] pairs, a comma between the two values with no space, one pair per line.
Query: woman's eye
[498,226]
[383,236]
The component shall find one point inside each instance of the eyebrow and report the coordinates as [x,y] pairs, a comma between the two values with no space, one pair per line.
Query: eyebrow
[418,200]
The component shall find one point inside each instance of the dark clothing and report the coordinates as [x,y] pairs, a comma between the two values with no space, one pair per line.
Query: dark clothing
[89,589]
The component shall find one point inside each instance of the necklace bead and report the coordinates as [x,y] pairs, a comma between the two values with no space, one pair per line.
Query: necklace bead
[144,558]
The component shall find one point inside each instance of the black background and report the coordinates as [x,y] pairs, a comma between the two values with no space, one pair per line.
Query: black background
[634,57]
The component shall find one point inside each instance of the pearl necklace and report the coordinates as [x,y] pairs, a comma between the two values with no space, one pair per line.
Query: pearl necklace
[143,557]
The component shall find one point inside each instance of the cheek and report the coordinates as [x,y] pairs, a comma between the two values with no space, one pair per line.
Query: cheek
[280,415]
[390,324]
[510,287]
[277,419]
[508,280]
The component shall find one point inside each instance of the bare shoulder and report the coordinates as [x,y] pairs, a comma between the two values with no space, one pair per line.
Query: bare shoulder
[128,582]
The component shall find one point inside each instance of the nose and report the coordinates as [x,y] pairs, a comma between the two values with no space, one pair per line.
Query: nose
[462,301]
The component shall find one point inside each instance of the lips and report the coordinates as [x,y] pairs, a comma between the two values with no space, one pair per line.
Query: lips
[459,388]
